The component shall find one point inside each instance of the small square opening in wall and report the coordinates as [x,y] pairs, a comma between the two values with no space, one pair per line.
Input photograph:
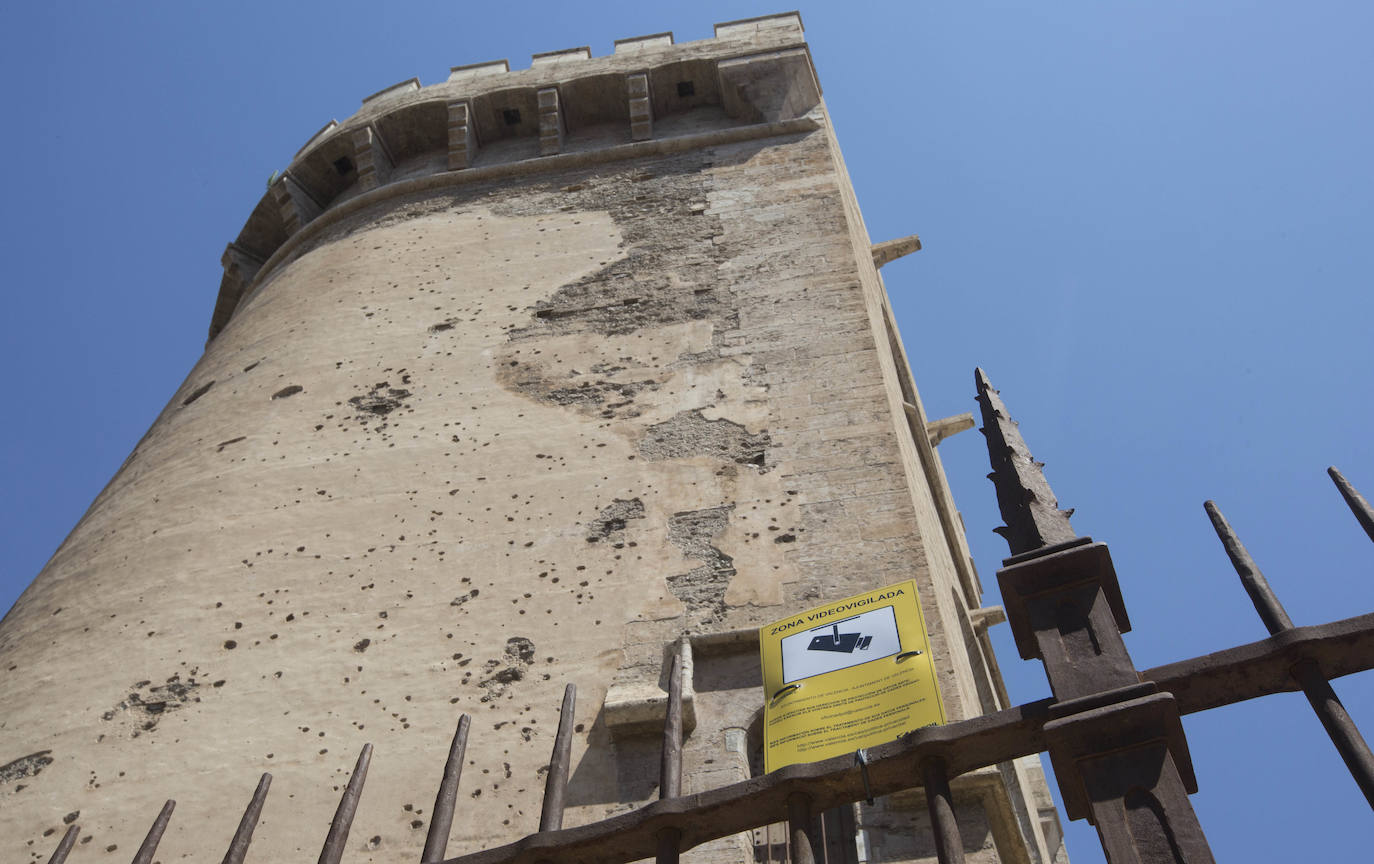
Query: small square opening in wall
[343,165]
[686,88]
[511,116]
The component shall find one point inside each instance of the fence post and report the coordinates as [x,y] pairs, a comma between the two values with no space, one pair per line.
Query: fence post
[1339,725]
[445,800]
[670,760]
[1117,745]
[556,786]
[949,845]
[149,847]
[799,829]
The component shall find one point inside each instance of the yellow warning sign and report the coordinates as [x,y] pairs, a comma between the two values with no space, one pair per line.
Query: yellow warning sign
[853,673]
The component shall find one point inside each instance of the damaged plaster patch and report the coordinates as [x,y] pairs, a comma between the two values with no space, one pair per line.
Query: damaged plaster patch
[609,524]
[688,433]
[504,672]
[667,270]
[25,766]
[702,589]
[373,408]
[592,394]
[148,703]
[380,401]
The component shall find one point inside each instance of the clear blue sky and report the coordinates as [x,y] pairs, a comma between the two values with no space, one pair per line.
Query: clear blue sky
[1149,222]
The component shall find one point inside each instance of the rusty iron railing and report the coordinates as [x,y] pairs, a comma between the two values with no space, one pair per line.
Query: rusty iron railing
[1113,732]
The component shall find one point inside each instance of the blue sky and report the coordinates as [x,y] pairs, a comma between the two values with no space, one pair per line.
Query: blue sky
[1148,222]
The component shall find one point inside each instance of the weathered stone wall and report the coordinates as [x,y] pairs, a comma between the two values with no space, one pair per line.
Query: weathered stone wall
[461,447]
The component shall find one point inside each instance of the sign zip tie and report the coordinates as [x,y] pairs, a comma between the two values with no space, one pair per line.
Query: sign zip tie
[785,690]
[861,759]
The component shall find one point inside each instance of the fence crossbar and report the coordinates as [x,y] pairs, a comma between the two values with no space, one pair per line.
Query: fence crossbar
[1209,681]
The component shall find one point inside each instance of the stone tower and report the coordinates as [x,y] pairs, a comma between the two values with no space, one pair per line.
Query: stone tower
[518,379]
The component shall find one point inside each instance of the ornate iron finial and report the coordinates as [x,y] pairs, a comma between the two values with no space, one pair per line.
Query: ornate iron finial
[1028,505]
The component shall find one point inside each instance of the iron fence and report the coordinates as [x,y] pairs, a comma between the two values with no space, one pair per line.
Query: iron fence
[1113,732]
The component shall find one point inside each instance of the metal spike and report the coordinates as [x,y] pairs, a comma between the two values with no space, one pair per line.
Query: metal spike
[238,847]
[337,839]
[949,845]
[149,847]
[556,786]
[1266,602]
[1029,508]
[441,819]
[1358,505]
[670,761]
[1339,725]
[64,847]
[799,829]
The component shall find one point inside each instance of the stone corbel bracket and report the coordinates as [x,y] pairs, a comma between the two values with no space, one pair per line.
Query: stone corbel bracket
[639,707]
[890,250]
[371,157]
[550,122]
[297,204]
[641,107]
[987,616]
[462,135]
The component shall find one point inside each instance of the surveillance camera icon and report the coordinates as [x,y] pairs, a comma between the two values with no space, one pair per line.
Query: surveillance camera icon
[840,643]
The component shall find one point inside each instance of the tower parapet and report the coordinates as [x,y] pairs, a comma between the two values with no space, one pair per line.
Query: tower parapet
[753,78]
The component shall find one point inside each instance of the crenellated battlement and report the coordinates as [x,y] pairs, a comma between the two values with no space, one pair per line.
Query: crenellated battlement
[753,78]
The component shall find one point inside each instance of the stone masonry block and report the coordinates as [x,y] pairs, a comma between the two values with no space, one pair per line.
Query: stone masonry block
[372,158]
[641,110]
[550,122]
[462,135]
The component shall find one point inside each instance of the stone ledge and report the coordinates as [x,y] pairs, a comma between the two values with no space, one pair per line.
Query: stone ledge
[635,44]
[477,70]
[564,55]
[746,28]
[407,86]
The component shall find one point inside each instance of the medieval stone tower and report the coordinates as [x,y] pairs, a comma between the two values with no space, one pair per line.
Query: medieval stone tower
[514,380]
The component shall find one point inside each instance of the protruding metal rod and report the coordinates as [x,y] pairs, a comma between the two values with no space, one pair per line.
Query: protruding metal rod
[1267,603]
[949,846]
[1339,726]
[556,786]
[149,848]
[799,829]
[1360,507]
[238,847]
[1029,509]
[668,852]
[64,847]
[337,838]
[441,818]
[670,764]
[1332,714]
